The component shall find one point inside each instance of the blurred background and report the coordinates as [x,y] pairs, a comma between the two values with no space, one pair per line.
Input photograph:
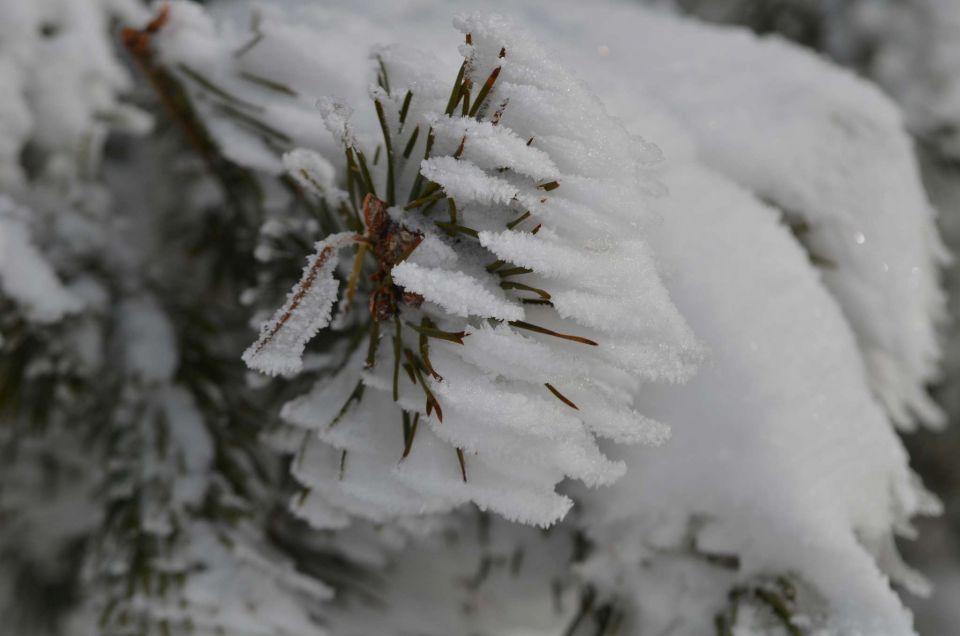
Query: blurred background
[912,50]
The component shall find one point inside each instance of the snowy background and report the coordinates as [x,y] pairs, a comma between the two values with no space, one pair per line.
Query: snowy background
[679,292]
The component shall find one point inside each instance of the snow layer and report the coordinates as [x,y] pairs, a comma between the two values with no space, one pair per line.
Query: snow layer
[63,83]
[779,443]
[25,274]
[854,197]
[827,483]
[457,293]
[240,585]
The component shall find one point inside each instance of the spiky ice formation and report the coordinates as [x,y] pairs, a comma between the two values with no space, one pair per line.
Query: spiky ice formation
[516,306]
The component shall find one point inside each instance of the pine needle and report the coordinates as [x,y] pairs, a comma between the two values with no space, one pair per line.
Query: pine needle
[432,332]
[432,402]
[355,396]
[246,48]
[514,223]
[355,273]
[452,208]
[535,328]
[253,123]
[210,86]
[408,149]
[485,89]
[409,432]
[267,83]
[368,180]
[391,189]
[373,345]
[353,171]
[467,84]
[463,465]
[452,228]
[457,88]
[514,271]
[405,107]
[382,77]
[779,608]
[508,284]
[430,198]
[459,151]
[397,345]
[560,396]
[418,181]
[302,497]
[425,348]
[255,40]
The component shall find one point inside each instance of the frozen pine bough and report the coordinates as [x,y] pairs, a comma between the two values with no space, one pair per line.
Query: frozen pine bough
[774,508]
[490,295]
[506,299]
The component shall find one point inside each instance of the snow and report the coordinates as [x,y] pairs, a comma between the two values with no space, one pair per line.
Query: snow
[490,147]
[25,274]
[150,347]
[56,53]
[455,292]
[857,191]
[828,478]
[241,586]
[311,170]
[780,454]
[467,182]
[162,471]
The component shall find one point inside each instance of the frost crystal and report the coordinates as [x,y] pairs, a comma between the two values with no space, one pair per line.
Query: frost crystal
[307,310]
